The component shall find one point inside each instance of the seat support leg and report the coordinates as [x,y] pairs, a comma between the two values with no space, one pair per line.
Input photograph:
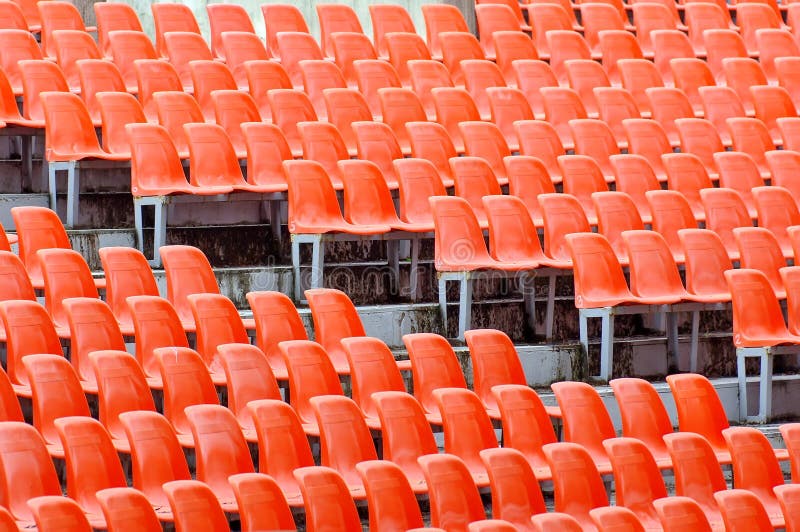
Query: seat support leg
[464,304]
[317,261]
[443,301]
[551,303]
[695,341]
[73,191]
[413,275]
[296,268]
[672,341]
[607,344]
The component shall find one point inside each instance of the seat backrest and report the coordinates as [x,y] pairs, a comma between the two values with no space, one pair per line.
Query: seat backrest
[58,511]
[389,495]
[753,459]
[699,407]
[516,495]
[751,292]
[219,446]
[170,17]
[678,512]
[349,47]
[288,108]
[474,178]
[586,420]
[527,179]
[434,365]
[742,510]
[311,373]
[276,320]
[616,516]
[23,456]
[322,142]
[72,46]
[760,250]
[466,425]
[261,503]
[494,361]
[188,272]
[327,499]
[117,110]
[17,45]
[441,18]
[526,425]
[114,17]
[318,75]
[150,76]
[635,177]
[224,18]
[127,274]
[387,18]
[218,322]
[636,476]
[156,455]
[267,148]
[706,259]
[92,461]
[174,109]
[194,504]
[653,272]
[377,143]
[66,275]
[578,487]
[92,327]
[127,507]
[312,199]
[186,382]
[29,330]
[248,377]
[281,18]
[562,215]
[455,221]
[372,369]
[58,16]
[671,213]
[406,432]
[208,76]
[68,127]
[454,498]
[16,285]
[643,414]
[155,324]
[121,388]
[240,47]
[293,47]
[431,141]
[37,228]
[418,180]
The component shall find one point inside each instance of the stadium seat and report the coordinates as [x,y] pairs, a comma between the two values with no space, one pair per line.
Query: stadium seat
[491,17]
[13,17]
[261,503]
[616,213]
[687,174]
[389,496]
[400,106]
[454,499]
[183,47]
[586,421]
[223,18]
[668,105]
[560,106]
[121,387]
[418,180]
[706,260]
[739,172]
[750,135]
[616,105]
[216,322]
[56,511]
[562,214]
[207,77]
[677,512]
[494,362]
[776,211]
[593,138]
[71,46]
[634,176]
[563,45]
[724,211]
[152,76]
[582,177]
[538,138]
[740,74]
[38,228]
[755,17]
[637,75]
[667,45]
[323,143]
[171,17]
[387,18]
[547,17]
[65,275]
[441,18]
[239,47]
[689,75]
[722,44]
[263,77]
[644,416]
[327,500]
[788,74]
[615,516]
[127,47]
[345,106]
[59,16]
[372,75]
[28,330]
[127,507]
[649,18]
[279,18]
[187,272]
[282,445]
[220,450]
[232,109]
[617,44]
[478,76]
[267,148]
[377,143]
[701,17]
[742,510]
[97,76]
[700,137]
[771,104]
[426,75]
[249,378]
[296,46]
[583,76]
[403,48]
[787,497]
[647,139]
[637,479]
[513,46]
[527,178]
[597,17]
[186,382]
[719,104]
[574,473]
[155,324]
[276,320]
[17,45]
[555,521]
[348,47]
[532,75]
[194,505]
[516,495]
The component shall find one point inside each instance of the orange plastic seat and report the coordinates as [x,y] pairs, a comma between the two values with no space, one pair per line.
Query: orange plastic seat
[563,45]
[372,75]
[431,141]
[336,18]
[126,48]
[577,484]
[223,18]
[740,74]
[152,76]
[220,450]
[58,16]
[155,324]
[616,105]
[426,75]
[281,18]
[725,211]
[377,143]
[647,139]
[538,138]
[386,486]
[454,499]
[689,75]
[240,47]
[467,429]
[515,490]
[772,104]
[755,467]
[582,176]
[172,18]
[512,46]
[335,317]
[92,463]
[586,421]
[95,76]
[617,44]
[398,107]
[700,411]
[560,106]
[789,279]
[417,181]
[209,76]
[649,18]
[783,165]
[276,320]
[406,434]
[616,213]
[117,110]
[507,106]
[261,503]
[699,137]
[479,75]
[405,48]
[485,140]
[583,76]
[349,47]
[701,17]
[706,260]
[494,362]
[750,135]
[17,45]
[687,174]
[457,47]
[532,75]
[188,272]
[65,274]
[387,18]
[742,510]
[282,445]
[616,516]
[217,322]
[59,513]
[669,104]
[249,378]
[756,17]
[71,46]
[311,373]
[789,132]
[440,19]
[788,74]
[327,500]
[13,17]
[267,149]
[344,107]
[263,77]
[636,477]
[183,47]
[344,439]
[678,513]
[23,456]
[739,172]
[721,44]
[597,17]
[453,106]
[562,215]
[127,507]
[787,497]
[492,17]
[296,46]
[186,382]
[667,45]
[527,179]
[777,210]
[555,522]
[474,179]
[720,104]
[594,139]
[39,77]
[28,330]
[231,110]
[9,404]
[637,75]
[644,416]
[194,505]
[323,144]
[174,109]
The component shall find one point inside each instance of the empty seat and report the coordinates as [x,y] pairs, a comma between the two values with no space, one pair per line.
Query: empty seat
[441,18]
[669,104]
[58,16]
[667,45]
[636,477]
[531,75]
[280,18]
[55,511]
[17,45]
[637,75]
[152,76]
[719,104]
[676,512]
[565,45]
[399,107]
[372,75]
[293,47]
[319,75]
[699,137]
[721,44]
[701,17]
[327,500]
[336,18]
[405,48]
[207,77]
[740,74]
[349,47]
[616,44]
[492,17]
[261,503]
[743,510]
[223,18]
[689,75]
[547,17]
[584,75]
[172,17]
[426,75]
[388,19]
[240,47]
[513,46]
[98,76]
[574,472]
[454,498]
[71,46]
[194,505]
[457,47]
[127,507]
[647,139]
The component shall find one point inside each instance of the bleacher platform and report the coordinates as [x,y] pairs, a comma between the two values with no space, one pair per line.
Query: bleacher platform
[293,274]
